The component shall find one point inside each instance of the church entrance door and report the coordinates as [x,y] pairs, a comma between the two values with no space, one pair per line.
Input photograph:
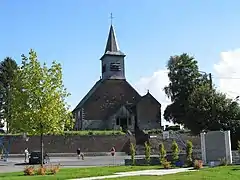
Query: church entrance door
[124,124]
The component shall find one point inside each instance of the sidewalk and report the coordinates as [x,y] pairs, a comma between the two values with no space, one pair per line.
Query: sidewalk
[86,154]
[139,173]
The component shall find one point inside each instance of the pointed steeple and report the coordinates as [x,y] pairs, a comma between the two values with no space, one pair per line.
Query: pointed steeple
[113,59]
[112,45]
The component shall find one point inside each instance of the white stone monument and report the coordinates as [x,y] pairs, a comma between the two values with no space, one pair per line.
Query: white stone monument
[216,145]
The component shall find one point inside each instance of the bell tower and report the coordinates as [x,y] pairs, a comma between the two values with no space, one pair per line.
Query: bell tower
[112,59]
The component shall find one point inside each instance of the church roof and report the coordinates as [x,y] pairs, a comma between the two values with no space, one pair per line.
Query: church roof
[105,97]
[112,47]
[112,44]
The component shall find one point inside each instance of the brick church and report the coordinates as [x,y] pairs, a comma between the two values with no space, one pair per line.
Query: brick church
[112,102]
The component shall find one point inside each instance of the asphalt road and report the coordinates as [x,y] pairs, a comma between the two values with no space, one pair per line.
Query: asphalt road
[10,165]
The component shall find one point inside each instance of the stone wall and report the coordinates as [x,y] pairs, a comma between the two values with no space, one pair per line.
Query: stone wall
[69,144]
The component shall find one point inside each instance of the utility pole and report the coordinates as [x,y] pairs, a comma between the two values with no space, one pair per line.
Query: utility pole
[212,103]
[41,144]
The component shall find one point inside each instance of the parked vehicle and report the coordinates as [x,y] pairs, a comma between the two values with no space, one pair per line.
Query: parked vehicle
[35,158]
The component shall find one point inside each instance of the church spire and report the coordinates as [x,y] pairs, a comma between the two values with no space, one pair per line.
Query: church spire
[112,45]
[113,58]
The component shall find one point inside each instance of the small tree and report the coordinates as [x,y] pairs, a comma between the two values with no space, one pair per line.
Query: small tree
[175,151]
[133,153]
[162,153]
[238,148]
[189,150]
[147,152]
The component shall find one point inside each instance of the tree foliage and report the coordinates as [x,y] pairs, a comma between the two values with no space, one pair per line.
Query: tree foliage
[183,75]
[196,103]
[189,151]
[39,106]
[162,153]
[175,151]
[8,72]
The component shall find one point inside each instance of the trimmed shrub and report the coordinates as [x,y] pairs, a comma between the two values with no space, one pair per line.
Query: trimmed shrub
[175,151]
[198,164]
[133,153]
[223,162]
[54,169]
[29,171]
[166,164]
[162,153]
[147,153]
[189,150]
[41,170]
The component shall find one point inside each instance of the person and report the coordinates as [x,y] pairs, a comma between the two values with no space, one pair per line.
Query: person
[78,152]
[113,151]
[26,154]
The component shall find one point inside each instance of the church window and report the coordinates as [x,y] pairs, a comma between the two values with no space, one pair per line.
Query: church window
[115,67]
[104,68]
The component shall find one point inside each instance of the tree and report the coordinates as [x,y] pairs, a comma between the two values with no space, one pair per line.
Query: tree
[189,151]
[196,103]
[183,76]
[133,153]
[175,151]
[162,153]
[69,122]
[39,106]
[199,115]
[8,71]
[147,152]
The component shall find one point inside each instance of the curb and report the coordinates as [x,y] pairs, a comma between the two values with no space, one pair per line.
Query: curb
[86,154]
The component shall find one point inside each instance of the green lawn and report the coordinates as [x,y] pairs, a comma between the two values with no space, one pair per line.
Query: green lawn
[69,173]
[217,173]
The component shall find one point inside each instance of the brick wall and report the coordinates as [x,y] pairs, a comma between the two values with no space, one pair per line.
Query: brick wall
[69,144]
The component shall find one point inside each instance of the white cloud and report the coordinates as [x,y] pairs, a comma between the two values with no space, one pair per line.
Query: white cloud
[155,85]
[227,72]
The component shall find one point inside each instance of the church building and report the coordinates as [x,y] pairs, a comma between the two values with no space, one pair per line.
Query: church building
[113,103]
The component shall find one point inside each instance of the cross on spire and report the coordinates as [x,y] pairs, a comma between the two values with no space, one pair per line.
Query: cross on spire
[111,17]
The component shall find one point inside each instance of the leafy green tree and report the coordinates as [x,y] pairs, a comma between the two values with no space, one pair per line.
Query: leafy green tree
[39,106]
[69,122]
[8,71]
[183,74]
[199,115]
[195,102]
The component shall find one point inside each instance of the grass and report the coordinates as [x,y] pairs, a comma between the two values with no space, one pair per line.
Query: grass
[69,173]
[87,133]
[217,173]
[81,133]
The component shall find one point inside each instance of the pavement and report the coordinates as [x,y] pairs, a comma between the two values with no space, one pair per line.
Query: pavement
[15,164]
[139,173]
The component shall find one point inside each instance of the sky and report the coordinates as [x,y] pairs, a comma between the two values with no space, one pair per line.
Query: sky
[74,33]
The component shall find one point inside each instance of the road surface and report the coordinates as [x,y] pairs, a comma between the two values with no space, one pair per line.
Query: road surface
[11,165]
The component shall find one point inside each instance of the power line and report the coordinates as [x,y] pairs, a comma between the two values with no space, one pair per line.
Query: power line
[219,77]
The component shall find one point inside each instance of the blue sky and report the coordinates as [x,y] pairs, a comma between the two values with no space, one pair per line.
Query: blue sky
[74,33]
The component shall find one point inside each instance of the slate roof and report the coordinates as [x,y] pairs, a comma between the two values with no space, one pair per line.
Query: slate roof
[106,97]
[112,47]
